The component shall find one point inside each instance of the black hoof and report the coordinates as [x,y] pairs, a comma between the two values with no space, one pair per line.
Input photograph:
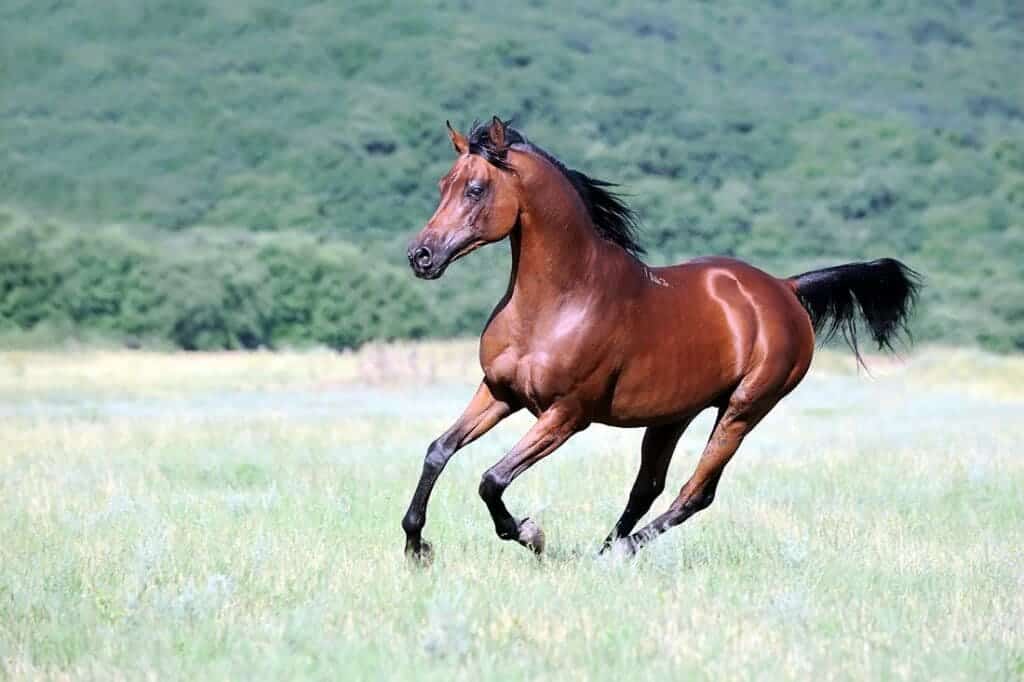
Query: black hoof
[420,553]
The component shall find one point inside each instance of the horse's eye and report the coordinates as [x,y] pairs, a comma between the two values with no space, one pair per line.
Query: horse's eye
[474,191]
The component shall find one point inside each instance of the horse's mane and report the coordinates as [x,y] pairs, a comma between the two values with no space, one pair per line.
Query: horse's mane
[614,220]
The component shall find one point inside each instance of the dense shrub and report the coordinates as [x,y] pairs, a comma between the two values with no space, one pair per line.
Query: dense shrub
[194,292]
[28,278]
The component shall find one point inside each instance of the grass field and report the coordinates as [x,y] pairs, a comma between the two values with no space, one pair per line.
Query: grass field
[219,516]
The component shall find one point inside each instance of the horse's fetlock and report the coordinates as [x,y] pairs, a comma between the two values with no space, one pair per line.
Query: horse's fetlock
[412,523]
[507,530]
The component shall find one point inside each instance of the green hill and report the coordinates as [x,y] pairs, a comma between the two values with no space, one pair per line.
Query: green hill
[793,133]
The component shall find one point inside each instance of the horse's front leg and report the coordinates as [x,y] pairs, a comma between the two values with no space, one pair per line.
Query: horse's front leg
[479,417]
[553,428]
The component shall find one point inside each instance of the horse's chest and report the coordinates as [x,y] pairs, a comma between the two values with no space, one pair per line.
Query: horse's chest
[533,378]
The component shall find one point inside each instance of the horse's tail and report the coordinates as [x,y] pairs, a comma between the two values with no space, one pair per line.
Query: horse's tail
[883,290]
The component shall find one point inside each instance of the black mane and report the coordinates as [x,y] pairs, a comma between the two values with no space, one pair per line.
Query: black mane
[614,220]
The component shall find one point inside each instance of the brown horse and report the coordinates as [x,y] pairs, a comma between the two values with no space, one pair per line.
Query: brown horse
[586,332]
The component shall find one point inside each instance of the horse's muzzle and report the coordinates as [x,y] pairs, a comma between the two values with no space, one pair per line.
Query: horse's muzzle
[423,262]
[421,259]
[429,256]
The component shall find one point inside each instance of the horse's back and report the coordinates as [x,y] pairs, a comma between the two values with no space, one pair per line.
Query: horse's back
[728,282]
[705,266]
[776,315]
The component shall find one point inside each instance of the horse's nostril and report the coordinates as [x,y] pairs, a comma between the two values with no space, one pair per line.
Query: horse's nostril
[422,256]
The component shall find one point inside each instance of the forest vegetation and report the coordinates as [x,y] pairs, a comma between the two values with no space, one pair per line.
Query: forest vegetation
[211,174]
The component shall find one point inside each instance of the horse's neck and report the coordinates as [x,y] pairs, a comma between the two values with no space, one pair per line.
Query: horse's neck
[557,253]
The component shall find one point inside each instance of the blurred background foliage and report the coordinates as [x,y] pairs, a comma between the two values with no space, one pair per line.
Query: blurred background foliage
[226,174]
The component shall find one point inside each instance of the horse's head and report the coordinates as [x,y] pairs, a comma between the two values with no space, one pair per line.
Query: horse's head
[479,202]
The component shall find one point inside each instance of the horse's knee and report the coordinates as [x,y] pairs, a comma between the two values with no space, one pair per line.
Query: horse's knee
[492,485]
[437,456]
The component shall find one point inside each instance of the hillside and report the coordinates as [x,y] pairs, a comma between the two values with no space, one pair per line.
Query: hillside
[796,134]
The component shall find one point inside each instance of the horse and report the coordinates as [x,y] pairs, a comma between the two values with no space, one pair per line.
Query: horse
[586,332]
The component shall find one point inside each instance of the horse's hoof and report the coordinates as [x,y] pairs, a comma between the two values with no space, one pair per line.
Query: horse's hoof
[531,536]
[423,555]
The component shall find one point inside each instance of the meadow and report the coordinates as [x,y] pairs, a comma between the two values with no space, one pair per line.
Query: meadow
[237,516]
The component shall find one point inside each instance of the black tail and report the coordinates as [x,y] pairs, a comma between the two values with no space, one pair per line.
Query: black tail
[884,290]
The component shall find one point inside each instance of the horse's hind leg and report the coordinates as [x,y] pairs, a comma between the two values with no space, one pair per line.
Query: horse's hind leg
[737,419]
[655,456]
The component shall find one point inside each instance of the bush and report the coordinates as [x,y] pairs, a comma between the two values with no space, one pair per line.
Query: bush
[201,293]
[28,279]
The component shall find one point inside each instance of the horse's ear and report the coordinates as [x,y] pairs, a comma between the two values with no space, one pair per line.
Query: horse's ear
[497,133]
[459,140]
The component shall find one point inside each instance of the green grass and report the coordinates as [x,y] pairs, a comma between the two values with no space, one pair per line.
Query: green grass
[237,516]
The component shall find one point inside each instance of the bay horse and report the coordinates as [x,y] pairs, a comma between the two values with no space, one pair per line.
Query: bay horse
[587,332]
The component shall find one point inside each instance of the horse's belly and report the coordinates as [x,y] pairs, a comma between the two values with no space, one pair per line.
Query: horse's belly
[653,387]
[663,389]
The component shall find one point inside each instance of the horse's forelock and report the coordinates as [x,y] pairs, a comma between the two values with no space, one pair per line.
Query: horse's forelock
[614,220]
